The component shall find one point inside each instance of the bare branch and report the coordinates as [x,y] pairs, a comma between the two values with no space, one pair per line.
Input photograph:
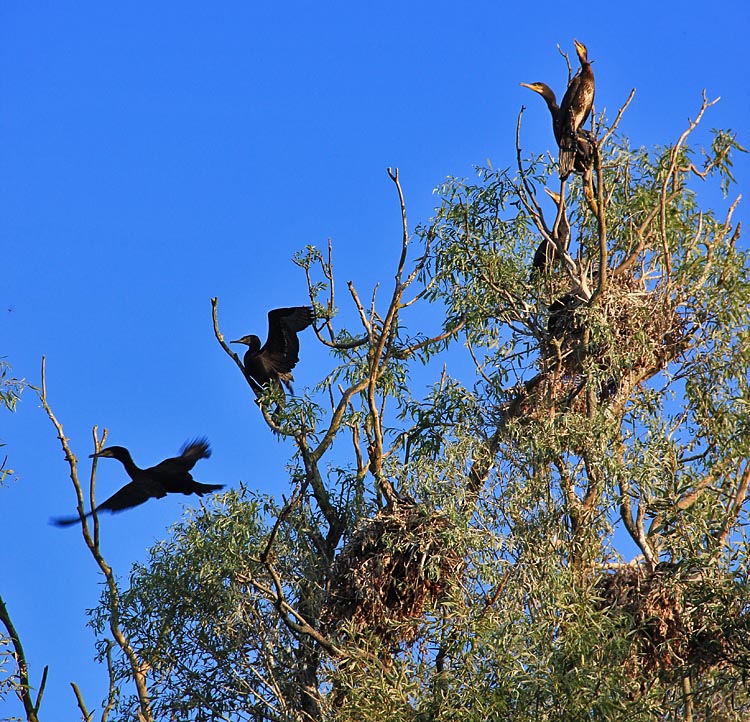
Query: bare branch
[23,689]
[220,336]
[137,667]
[674,155]
[618,117]
[85,714]
[525,192]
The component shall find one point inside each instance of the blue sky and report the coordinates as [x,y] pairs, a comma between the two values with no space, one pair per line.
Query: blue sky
[156,155]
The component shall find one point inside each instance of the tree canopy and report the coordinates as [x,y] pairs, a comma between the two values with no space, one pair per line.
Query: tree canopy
[554,530]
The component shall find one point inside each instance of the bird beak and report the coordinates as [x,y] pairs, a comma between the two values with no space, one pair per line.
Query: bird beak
[235,342]
[553,196]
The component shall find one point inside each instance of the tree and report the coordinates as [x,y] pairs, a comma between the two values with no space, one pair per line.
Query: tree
[12,656]
[468,555]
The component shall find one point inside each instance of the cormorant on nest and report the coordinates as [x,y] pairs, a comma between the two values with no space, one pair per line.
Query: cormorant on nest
[575,143]
[273,362]
[171,476]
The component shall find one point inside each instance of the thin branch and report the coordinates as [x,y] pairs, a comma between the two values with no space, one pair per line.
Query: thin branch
[286,612]
[42,687]
[435,339]
[525,191]
[283,514]
[220,337]
[23,689]
[692,125]
[603,279]
[338,415]
[618,117]
[736,506]
[85,714]
[137,668]
[393,174]
[112,691]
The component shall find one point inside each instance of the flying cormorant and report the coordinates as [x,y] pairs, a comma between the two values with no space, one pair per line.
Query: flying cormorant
[171,476]
[273,362]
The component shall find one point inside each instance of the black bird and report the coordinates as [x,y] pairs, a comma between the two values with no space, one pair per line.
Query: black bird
[575,109]
[273,362]
[171,476]
[546,254]
[581,141]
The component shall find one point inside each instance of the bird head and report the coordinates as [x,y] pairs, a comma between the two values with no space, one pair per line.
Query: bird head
[113,452]
[251,341]
[544,90]
[536,87]
[554,196]
[582,52]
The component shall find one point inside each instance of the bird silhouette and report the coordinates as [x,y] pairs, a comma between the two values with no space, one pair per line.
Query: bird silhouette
[171,476]
[273,362]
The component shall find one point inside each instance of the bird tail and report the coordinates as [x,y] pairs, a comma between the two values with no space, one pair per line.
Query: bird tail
[567,161]
[201,489]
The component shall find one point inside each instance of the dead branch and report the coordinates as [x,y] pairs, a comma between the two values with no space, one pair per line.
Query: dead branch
[674,155]
[85,714]
[618,117]
[525,192]
[137,667]
[220,336]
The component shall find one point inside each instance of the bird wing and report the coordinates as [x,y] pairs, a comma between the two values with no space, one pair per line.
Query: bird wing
[178,467]
[280,353]
[566,121]
[133,494]
[195,449]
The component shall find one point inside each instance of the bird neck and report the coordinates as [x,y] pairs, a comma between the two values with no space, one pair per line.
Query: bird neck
[126,460]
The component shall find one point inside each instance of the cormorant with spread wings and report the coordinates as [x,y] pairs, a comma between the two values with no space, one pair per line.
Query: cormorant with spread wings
[274,360]
[171,476]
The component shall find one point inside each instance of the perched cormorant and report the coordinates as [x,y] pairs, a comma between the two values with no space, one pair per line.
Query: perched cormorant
[546,254]
[171,476]
[554,109]
[574,111]
[273,362]
[576,97]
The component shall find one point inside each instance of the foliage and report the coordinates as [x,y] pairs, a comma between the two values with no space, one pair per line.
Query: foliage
[471,556]
[555,530]
[10,394]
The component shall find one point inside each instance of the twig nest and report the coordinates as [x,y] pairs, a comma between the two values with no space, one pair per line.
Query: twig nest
[389,570]
[631,334]
[680,619]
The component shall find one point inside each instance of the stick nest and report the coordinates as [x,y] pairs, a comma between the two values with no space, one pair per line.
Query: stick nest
[630,335]
[681,620]
[389,570]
